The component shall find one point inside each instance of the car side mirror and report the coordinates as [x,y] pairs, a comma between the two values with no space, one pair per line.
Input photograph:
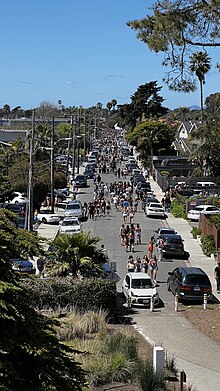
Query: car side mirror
[170,273]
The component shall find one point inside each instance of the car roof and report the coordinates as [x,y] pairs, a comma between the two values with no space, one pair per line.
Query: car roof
[135,276]
[191,270]
[74,202]
[70,218]
[166,229]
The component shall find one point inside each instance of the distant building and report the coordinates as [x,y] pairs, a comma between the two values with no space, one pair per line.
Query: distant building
[185,128]
[9,136]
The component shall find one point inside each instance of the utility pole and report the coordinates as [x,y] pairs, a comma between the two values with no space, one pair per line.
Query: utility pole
[74,147]
[52,166]
[84,139]
[30,177]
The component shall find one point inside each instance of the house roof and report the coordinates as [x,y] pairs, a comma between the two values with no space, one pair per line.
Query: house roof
[12,135]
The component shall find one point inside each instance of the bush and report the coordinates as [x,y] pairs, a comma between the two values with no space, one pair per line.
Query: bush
[165,173]
[196,231]
[148,379]
[90,294]
[215,220]
[208,245]
[178,209]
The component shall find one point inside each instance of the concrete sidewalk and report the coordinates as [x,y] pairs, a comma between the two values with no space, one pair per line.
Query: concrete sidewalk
[192,246]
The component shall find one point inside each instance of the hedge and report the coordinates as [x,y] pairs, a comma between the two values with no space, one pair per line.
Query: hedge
[88,294]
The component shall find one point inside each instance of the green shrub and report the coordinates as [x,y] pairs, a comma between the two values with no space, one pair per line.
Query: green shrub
[196,231]
[148,379]
[165,173]
[89,294]
[215,220]
[126,344]
[178,209]
[208,245]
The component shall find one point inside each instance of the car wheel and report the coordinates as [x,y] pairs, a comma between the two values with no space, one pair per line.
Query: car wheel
[44,220]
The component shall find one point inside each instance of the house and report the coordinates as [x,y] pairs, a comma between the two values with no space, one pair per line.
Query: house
[9,136]
[185,128]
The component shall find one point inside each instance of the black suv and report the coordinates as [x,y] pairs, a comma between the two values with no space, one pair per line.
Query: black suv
[173,245]
[189,283]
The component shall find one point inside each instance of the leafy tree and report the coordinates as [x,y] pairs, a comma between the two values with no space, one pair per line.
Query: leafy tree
[75,253]
[152,138]
[109,106]
[6,110]
[176,28]
[30,355]
[46,110]
[206,155]
[114,103]
[145,103]
[182,113]
[200,65]
[212,103]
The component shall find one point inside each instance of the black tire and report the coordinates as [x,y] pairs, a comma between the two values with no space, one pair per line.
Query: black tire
[44,220]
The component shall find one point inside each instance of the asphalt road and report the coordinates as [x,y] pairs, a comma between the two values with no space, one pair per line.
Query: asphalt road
[194,352]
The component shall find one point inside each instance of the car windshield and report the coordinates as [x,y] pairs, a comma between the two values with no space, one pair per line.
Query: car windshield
[140,283]
[155,205]
[167,231]
[173,240]
[197,280]
[70,222]
[73,206]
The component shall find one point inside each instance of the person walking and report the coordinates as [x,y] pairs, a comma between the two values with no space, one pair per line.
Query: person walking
[151,247]
[144,264]
[131,215]
[125,215]
[160,243]
[122,233]
[138,264]
[217,276]
[108,208]
[138,234]
[153,267]
[131,239]
[130,264]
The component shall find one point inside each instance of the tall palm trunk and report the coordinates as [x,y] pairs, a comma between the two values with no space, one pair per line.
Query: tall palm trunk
[201,99]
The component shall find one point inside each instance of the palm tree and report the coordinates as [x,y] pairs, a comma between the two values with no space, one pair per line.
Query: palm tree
[200,64]
[109,106]
[114,103]
[183,112]
[75,253]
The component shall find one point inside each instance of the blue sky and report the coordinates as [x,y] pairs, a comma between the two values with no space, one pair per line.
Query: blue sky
[79,51]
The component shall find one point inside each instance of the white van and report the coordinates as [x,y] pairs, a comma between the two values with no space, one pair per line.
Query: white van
[205,184]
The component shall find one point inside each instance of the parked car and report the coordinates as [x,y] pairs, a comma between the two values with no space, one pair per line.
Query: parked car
[194,214]
[46,216]
[70,225]
[23,265]
[89,174]
[74,209]
[81,181]
[155,209]
[15,208]
[189,283]
[139,287]
[163,231]
[19,197]
[173,245]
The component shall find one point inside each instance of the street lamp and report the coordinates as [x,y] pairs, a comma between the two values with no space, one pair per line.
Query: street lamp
[78,137]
